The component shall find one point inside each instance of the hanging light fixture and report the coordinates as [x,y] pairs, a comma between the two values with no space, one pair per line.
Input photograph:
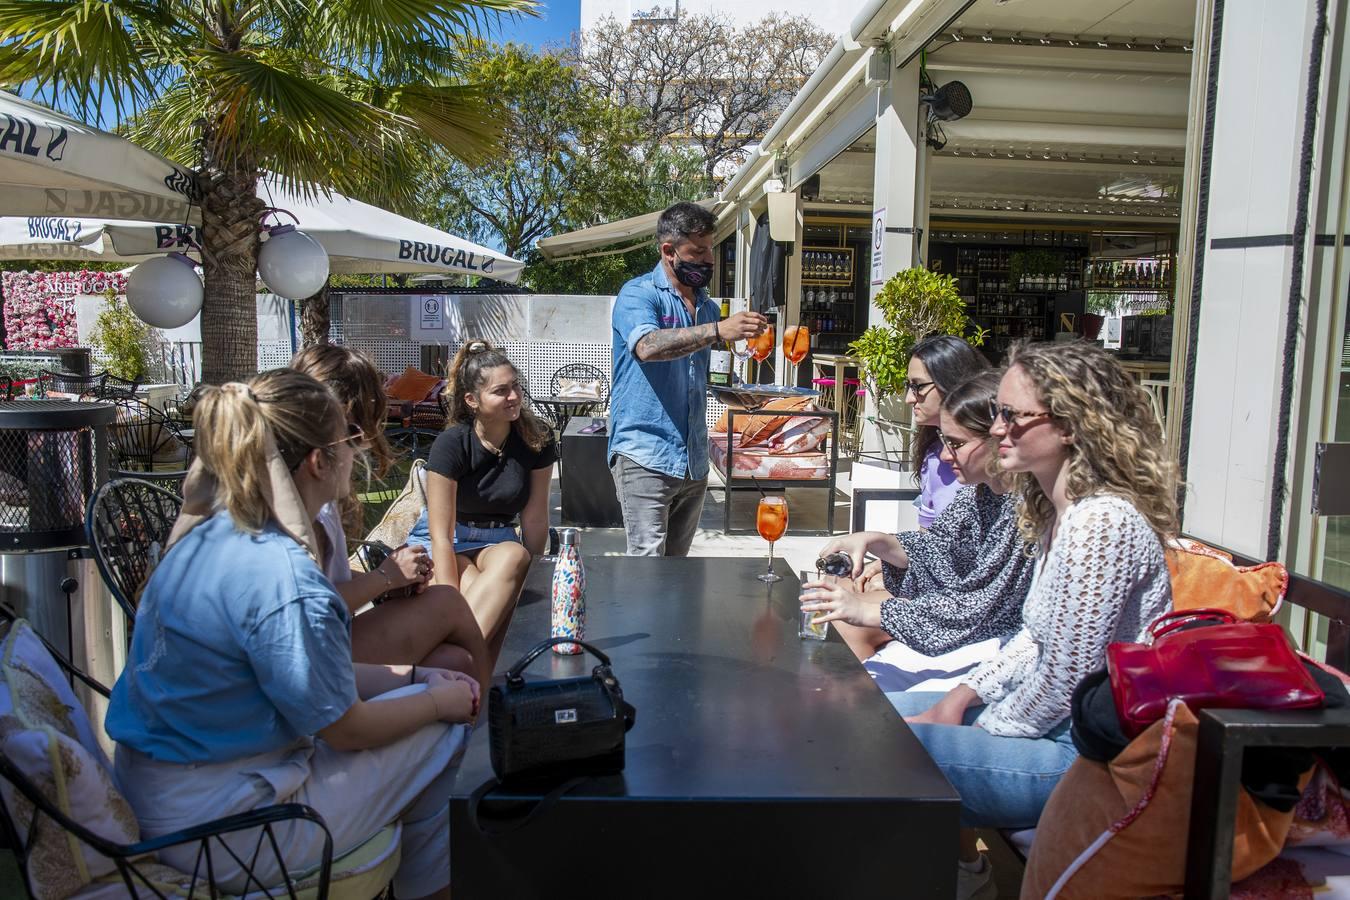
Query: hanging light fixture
[165,292]
[291,263]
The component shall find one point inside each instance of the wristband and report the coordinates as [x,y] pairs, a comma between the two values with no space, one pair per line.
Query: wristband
[412,676]
[388,582]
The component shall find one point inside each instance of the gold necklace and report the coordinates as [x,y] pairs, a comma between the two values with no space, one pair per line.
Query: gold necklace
[491,448]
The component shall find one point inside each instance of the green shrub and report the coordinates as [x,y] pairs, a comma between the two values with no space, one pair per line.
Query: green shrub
[123,339]
[916,303]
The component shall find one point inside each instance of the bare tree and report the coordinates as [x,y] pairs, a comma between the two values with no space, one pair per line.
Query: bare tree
[700,80]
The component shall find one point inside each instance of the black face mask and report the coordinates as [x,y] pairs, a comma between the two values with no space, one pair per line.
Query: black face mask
[693,274]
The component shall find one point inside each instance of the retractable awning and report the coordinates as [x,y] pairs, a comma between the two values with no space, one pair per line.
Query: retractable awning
[608,238]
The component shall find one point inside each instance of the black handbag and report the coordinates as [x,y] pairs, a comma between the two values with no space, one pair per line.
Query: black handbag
[542,730]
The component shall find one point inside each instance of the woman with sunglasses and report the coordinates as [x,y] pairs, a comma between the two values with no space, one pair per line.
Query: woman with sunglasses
[1098,501]
[490,469]
[434,628]
[954,592]
[937,365]
[239,690]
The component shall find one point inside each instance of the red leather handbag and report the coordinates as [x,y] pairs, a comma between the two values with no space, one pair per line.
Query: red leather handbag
[1228,665]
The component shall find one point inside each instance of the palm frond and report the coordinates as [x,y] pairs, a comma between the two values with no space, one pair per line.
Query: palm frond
[392,32]
[83,51]
[464,119]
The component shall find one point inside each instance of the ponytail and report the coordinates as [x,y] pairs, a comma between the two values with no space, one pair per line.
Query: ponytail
[239,427]
[468,371]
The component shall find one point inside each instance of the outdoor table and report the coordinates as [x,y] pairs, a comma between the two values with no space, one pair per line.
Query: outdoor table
[562,409]
[760,764]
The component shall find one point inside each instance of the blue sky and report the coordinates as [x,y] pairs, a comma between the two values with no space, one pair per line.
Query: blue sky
[555,23]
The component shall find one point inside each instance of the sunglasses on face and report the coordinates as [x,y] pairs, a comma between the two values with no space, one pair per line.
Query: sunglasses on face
[952,444]
[356,436]
[1012,417]
[917,388]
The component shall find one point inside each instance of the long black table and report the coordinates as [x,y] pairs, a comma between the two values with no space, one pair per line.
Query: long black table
[760,764]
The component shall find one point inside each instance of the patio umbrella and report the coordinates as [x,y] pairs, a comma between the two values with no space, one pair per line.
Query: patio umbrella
[54,166]
[359,238]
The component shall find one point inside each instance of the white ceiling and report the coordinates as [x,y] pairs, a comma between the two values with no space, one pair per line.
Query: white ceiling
[1097,18]
[1077,129]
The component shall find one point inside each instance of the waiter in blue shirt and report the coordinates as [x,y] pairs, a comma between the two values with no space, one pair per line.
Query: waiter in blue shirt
[664,326]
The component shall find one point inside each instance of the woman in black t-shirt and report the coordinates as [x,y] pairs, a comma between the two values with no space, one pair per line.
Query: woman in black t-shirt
[487,471]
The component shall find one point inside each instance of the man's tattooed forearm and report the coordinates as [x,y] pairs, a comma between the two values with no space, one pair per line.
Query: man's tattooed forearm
[671,343]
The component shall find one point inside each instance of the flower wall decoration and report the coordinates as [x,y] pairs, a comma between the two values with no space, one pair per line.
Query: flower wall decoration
[40,306]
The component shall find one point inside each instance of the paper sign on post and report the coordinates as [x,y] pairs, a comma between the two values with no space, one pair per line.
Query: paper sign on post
[878,241]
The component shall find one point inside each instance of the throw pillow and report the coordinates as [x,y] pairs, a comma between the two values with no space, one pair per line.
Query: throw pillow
[758,429]
[1119,830]
[1202,576]
[579,388]
[413,385]
[45,733]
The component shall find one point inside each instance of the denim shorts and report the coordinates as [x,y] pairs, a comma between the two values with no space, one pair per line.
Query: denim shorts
[468,538]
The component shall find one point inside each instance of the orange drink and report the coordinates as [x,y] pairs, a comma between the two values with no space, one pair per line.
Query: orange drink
[796,341]
[771,519]
[762,345]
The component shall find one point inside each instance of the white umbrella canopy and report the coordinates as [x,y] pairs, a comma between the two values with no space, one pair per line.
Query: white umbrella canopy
[359,238]
[54,166]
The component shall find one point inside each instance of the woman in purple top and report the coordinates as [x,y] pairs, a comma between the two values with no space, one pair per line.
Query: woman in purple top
[937,365]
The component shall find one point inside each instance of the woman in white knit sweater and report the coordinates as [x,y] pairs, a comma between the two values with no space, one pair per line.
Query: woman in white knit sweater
[1098,498]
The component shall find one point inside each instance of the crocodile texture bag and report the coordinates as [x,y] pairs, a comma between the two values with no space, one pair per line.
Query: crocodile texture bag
[559,728]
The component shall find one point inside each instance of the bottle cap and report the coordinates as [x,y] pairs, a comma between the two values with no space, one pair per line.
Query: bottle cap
[569,537]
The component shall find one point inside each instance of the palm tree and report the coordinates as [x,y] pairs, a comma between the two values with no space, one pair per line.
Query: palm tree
[352,95]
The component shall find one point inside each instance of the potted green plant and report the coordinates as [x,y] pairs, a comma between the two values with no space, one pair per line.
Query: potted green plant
[123,339]
[915,303]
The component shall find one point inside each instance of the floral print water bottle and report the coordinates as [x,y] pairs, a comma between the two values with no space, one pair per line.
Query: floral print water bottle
[569,592]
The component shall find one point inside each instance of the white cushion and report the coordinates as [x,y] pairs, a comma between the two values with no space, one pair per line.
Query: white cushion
[45,733]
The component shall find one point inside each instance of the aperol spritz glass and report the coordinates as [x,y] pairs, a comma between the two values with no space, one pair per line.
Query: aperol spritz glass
[761,347]
[771,518]
[796,343]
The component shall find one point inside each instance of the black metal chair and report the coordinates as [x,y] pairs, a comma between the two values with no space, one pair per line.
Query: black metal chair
[135,863]
[78,386]
[582,372]
[141,434]
[114,386]
[127,524]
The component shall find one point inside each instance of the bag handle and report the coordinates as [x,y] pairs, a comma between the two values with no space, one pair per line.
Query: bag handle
[1169,622]
[513,674]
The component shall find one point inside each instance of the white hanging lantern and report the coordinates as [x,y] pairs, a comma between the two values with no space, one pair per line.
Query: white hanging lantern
[165,292]
[292,264]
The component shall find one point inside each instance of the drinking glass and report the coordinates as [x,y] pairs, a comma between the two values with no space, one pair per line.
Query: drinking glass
[742,350]
[771,518]
[762,347]
[805,629]
[796,342]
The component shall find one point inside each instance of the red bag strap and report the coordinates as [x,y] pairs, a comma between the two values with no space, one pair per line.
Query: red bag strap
[1169,622]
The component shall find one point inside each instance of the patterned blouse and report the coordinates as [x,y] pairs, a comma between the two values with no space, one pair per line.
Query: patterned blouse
[967,576]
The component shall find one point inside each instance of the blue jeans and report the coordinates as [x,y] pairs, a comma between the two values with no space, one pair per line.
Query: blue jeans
[1004,782]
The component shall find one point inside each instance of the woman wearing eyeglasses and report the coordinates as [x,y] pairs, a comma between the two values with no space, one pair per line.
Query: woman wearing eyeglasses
[433,628]
[490,469]
[954,591]
[937,365]
[1098,499]
[239,690]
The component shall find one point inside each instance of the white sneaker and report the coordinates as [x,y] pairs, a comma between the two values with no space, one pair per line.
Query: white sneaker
[977,885]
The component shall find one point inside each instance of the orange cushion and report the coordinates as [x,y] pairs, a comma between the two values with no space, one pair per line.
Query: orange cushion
[412,385]
[1119,830]
[760,428]
[1202,576]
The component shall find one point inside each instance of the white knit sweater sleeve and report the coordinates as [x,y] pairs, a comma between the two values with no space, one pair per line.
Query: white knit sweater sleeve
[1104,580]
[996,679]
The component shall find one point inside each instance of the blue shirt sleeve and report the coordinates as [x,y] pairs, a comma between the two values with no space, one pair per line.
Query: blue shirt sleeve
[636,313]
[301,654]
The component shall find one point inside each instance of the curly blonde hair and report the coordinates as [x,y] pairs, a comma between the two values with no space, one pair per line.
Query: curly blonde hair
[1117,445]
